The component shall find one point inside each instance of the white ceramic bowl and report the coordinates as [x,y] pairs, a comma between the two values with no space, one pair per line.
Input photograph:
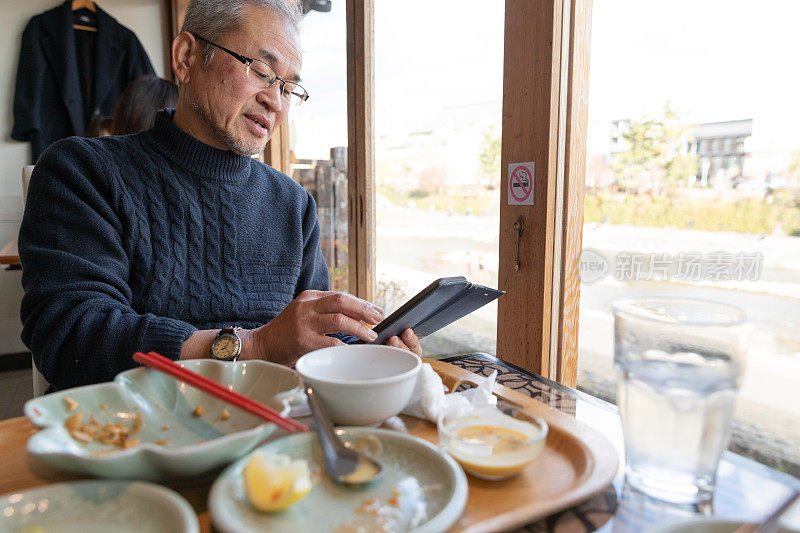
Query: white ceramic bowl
[362,384]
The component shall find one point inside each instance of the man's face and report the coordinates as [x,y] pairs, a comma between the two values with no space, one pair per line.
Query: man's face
[238,114]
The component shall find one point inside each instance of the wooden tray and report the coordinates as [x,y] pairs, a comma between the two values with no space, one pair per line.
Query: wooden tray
[577,463]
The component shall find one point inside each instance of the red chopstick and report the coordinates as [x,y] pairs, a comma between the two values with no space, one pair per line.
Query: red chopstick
[170,367]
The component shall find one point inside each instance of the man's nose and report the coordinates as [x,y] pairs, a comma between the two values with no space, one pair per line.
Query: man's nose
[271,96]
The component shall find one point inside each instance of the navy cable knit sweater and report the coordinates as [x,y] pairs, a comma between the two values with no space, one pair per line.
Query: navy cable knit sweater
[132,243]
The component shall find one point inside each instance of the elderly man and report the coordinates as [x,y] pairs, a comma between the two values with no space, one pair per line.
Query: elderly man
[175,240]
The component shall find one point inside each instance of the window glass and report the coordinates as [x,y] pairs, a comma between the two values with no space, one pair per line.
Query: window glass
[318,132]
[438,103]
[663,69]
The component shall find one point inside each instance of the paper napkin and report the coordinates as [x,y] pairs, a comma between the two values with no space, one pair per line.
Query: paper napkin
[429,400]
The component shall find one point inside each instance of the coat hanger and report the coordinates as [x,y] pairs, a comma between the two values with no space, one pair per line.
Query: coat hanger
[84,4]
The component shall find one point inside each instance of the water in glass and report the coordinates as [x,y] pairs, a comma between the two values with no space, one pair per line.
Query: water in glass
[676,402]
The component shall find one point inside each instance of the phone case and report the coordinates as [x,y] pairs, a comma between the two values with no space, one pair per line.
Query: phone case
[441,303]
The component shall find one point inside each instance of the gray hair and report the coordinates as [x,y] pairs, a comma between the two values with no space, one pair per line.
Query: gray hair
[212,18]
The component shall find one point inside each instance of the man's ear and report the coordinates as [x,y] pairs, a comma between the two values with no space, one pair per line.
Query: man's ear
[186,52]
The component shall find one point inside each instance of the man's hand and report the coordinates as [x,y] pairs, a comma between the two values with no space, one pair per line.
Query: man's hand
[304,324]
[407,341]
[303,327]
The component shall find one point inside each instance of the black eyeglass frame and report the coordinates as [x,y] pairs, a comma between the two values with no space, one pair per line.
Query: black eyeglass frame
[247,61]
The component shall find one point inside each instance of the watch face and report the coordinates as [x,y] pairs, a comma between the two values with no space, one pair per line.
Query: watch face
[226,346]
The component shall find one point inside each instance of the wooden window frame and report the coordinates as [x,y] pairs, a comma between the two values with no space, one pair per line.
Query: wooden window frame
[276,153]
[577,123]
[545,91]
[360,148]
[173,20]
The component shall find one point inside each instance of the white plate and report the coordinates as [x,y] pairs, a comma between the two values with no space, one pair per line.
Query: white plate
[429,486]
[97,507]
[196,445]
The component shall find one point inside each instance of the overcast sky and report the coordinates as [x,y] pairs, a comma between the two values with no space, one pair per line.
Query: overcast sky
[713,59]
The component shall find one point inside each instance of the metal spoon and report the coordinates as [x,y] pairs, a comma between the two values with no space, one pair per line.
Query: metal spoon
[344,465]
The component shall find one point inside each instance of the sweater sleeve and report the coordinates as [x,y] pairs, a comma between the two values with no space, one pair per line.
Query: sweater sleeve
[313,270]
[76,312]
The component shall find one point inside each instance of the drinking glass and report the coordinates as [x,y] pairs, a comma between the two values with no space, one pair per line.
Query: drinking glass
[679,364]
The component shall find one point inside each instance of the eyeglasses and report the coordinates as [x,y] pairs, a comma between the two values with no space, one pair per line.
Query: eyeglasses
[262,74]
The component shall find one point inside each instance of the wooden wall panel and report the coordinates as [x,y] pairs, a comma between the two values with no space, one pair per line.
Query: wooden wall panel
[361,146]
[531,84]
[574,183]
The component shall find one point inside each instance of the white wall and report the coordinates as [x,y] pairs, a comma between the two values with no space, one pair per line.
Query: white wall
[146,19]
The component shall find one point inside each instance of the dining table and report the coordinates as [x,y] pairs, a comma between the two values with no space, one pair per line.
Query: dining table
[9,255]
[746,491]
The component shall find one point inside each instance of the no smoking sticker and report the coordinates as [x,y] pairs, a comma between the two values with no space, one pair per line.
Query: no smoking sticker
[520,183]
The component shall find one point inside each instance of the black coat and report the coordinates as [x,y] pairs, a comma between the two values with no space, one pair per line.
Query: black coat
[48,103]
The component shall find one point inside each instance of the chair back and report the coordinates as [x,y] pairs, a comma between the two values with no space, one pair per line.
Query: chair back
[27,170]
[40,384]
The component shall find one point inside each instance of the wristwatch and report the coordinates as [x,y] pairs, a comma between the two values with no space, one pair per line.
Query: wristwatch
[227,345]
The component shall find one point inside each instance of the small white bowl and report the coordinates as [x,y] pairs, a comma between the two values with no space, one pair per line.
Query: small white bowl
[363,384]
[490,443]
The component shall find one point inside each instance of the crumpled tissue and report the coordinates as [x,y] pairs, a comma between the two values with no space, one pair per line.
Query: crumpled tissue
[429,400]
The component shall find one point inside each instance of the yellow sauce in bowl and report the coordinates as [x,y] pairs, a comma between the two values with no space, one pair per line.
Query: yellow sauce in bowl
[492,445]
[502,440]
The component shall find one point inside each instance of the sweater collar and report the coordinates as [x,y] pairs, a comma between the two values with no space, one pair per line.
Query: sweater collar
[193,155]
